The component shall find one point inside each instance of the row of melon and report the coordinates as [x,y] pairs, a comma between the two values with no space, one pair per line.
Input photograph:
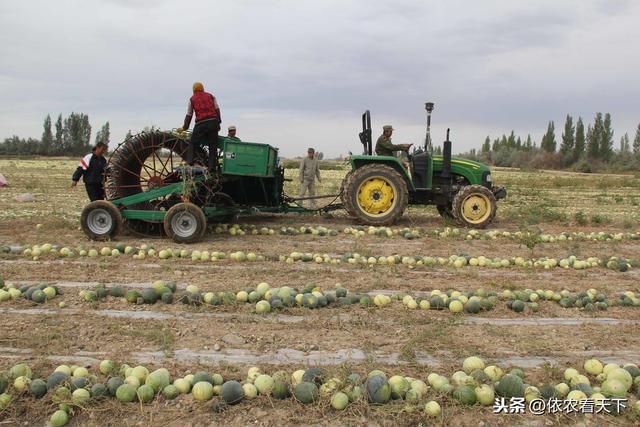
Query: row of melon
[417,232]
[37,293]
[457,261]
[476,383]
[311,296]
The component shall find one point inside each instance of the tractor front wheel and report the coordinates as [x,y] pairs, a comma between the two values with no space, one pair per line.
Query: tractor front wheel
[185,223]
[475,206]
[376,194]
[101,220]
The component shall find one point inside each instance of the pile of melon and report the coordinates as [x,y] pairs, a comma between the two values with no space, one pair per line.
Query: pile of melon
[38,294]
[589,300]
[477,383]
[159,291]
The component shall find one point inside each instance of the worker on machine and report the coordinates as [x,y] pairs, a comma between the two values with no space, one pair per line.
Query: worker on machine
[91,169]
[231,134]
[208,120]
[384,146]
[309,171]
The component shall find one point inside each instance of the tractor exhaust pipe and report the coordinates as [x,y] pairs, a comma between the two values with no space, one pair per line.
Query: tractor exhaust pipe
[446,157]
[428,147]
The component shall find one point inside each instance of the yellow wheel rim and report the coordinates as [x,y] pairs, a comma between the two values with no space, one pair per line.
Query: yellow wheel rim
[476,208]
[377,196]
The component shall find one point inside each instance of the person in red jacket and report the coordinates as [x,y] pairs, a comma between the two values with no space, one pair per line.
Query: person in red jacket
[208,119]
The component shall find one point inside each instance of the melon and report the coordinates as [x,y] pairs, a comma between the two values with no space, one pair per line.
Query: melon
[38,296]
[59,418]
[158,379]
[280,390]
[56,378]
[202,391]
[263,307]
[202,376]
[472,363]
[378,389]
[509,386]
[339,401]
[183,386]
[170,392]
[5,400]
[609,367]
[264,384]
[20,370]
[315,375]
[485,395]
[465,395]
[399,386]
[613,387]
[622,375]
[126,393]
[141,373]
[296,377]
[107,367]
[250,391]
[80,396]
[145,393]
[576,395]
[355,393]
[547,392]
[132,381]
[562,389]
[21,383]
[232,392]
[113,384]
[420,387]
[636,408]
[456,306]
[432,408]
[493,372]
[632,369]
[38,388]
[593,367]
[4,383]
[99,390]
[253,373]
[306,392]
[80,372]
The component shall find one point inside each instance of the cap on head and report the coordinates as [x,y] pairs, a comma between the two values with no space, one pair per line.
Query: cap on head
[387,127]
[230,128]
[311,150]
[198,87]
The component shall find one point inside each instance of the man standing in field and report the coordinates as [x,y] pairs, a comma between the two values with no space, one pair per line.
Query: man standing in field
[231,134]
[384,146]
[208,120]
[91,169]
[309,171]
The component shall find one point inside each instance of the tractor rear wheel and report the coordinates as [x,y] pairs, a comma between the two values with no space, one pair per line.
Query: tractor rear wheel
[185,223]
[376,194]
[101,220]
[475,206]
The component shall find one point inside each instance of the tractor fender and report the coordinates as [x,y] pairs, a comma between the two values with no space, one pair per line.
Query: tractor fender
[359,161]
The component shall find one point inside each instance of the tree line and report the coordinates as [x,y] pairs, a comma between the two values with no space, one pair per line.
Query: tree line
[70,136]
[580,149]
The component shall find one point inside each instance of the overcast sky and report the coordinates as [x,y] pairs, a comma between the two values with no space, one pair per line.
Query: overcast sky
[300,73]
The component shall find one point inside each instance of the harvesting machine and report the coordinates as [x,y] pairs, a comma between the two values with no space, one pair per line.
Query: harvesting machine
[151,189]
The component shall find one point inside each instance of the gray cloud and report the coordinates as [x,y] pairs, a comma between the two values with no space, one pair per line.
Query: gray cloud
[300,73]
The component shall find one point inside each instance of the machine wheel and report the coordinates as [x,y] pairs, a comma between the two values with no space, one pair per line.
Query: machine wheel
[101,220]
[376,194]
[185,223]
[141,163]
[445,211]
[475,206]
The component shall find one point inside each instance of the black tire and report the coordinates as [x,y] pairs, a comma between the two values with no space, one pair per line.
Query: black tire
[445,211]
[398,198]
[185,223]
[343,190]
[101,220]
[475,206]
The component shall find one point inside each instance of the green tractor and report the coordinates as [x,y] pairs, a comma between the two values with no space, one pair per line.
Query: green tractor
[152,192]
[378,189]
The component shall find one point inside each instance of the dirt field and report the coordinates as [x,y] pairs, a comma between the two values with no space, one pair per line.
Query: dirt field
[342,339]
